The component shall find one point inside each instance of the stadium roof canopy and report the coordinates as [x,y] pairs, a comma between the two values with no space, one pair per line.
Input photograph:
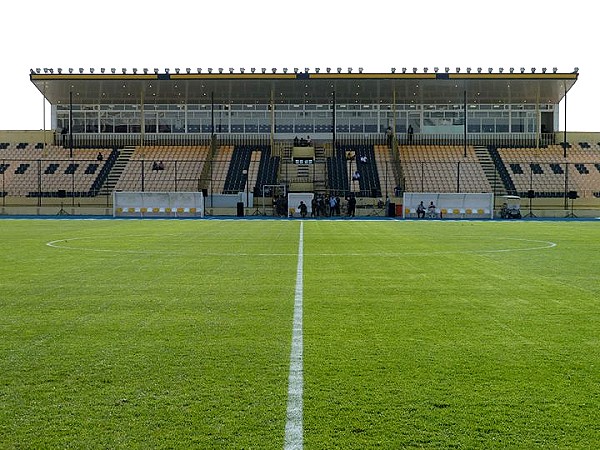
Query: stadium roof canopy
[303,87]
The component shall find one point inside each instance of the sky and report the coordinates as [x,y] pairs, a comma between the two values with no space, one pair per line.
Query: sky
[375,35]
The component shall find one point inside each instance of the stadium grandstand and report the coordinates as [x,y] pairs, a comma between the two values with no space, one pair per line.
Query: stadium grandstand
[250,136]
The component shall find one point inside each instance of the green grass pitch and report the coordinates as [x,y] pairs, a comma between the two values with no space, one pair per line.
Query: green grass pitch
[138,334]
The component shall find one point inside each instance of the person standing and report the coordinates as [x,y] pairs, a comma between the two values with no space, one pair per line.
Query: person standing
[351,206]
[332,203]
[303,209]
[389,135]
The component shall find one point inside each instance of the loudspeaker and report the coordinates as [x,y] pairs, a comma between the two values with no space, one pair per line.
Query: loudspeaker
[62,193]
[204,193]
[240,209]
[530,193]
[572,195]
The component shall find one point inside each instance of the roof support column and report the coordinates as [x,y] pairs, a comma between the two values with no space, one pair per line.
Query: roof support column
[142,120]
[465,123]
[272,107]
[565,132]
[538,118]
[333,112]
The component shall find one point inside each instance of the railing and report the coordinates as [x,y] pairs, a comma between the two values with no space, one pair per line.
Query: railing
[119,140]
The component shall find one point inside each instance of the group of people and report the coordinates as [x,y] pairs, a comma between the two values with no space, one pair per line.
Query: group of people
[389,136]
[302,142]
[158,165]
[328,206]
[430,211]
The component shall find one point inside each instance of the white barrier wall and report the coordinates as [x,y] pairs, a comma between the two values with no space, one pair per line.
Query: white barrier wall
[451,206]
[158,204]
[294,199]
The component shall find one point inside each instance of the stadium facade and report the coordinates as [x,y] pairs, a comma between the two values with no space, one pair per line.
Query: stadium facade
[309,127]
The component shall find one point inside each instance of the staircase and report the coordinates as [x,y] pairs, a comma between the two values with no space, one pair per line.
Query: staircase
[118,168]
[319,181]
[490,170]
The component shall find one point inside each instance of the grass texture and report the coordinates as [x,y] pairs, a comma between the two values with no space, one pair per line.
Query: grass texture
[127,334]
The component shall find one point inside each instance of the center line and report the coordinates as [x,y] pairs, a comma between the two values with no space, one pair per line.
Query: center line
[294,438]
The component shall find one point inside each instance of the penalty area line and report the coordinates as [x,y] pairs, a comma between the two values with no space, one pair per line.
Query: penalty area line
[294,438]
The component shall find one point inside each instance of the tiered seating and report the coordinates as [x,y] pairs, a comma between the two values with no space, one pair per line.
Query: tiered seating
[180,172]
[548,173]
[369,177]
[337,172]
[383,159]
[32,170]
[267,173]
[436,168]
[220,167]
[240,162]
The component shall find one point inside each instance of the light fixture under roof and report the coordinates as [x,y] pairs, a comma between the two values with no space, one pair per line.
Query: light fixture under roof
[533,70]
[285,70]
[329,70]
[436,69]
[522,69]
[134,70]
[59,70]
[414,70]
[242,70]
[317,70]
[210,70]
[404,70]
[554,69]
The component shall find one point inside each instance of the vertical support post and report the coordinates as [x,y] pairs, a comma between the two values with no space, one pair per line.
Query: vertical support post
[465,123]
[565,132]
[70,124]
[333,121]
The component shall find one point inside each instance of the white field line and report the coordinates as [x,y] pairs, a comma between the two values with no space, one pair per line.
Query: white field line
[294,437]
